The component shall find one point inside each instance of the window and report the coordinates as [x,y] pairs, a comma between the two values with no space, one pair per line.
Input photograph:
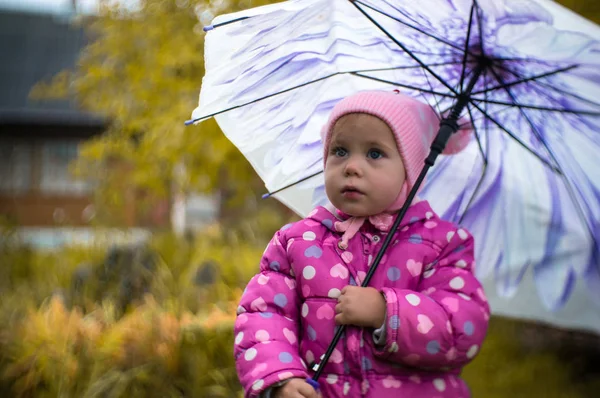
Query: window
[15,167]
[55,176]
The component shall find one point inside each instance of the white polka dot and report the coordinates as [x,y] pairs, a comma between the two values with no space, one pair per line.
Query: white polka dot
[472,351]
[334,293]
[304,310]
[331,378]
[250,354]
[428,215]
[262,335]
[462,234]
[240,310]
[464,296]
[457,283]
[257,385]
[439,385]
[239,337]
[450,235]
[309,272]
[413,299]
[309,235]
[461,264]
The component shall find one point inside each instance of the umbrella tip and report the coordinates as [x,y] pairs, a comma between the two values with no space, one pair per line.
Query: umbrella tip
[188,122]
[208,28]
[266,195]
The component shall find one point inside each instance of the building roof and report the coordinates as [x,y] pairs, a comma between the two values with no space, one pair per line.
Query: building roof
[35,47]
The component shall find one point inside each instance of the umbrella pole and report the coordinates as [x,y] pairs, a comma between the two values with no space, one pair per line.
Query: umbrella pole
[448,126]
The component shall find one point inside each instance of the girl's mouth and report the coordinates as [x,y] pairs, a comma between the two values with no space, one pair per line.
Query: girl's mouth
[351,193]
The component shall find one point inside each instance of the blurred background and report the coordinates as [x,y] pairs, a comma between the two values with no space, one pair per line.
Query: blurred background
[126,238]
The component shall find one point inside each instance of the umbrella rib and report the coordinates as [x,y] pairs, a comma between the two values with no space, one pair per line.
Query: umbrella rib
[262,98]
[500,126]
[420,89]
[566,181]
[355,73]
[484,154]
[538,108]
[483,172]
[409,25]
[465,53]
[211,27]
[551,87]
[441,111]
[438,100]
[480,27]
[542,93]
[271,193]
[525,80]
[486,124]
[407,67]
[403,47]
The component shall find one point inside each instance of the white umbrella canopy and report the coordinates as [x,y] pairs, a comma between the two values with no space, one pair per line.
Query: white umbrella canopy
[527,186]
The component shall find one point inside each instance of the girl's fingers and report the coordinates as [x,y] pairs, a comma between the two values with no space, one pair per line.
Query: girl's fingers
[338,309]
[308,391]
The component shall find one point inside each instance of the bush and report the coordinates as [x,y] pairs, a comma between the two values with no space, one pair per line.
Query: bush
[142,320]
[509,365]
[149,352]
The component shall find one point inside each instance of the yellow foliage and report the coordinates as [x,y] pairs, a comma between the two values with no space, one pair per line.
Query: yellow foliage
[67,354]
[143,71]
[143,336]
[46,348]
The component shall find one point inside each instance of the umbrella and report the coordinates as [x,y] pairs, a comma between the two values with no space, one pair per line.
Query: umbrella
[525,74]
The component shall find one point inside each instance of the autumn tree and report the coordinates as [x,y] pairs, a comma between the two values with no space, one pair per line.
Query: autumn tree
[143,70]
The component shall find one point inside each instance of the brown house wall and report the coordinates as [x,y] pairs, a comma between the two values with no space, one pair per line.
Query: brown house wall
[44,211]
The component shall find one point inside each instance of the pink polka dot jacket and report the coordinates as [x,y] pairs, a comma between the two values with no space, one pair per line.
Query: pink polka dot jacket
[437,313]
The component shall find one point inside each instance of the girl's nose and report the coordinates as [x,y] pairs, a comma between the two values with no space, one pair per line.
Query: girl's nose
[353,167]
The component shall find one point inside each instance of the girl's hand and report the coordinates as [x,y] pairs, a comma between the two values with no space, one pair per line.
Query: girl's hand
[296,388]
[360,306]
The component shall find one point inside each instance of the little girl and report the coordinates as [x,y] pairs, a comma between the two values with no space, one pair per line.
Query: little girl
[424,315]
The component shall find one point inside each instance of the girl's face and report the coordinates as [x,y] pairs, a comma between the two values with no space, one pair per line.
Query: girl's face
[364,172]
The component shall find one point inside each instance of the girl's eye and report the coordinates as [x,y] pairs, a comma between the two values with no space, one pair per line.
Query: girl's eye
[341,152]
[375,154]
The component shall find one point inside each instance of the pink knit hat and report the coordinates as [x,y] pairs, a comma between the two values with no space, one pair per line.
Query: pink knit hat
[413,123]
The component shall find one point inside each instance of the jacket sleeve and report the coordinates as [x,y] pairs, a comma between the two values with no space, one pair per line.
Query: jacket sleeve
[266,327]
[442,323]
